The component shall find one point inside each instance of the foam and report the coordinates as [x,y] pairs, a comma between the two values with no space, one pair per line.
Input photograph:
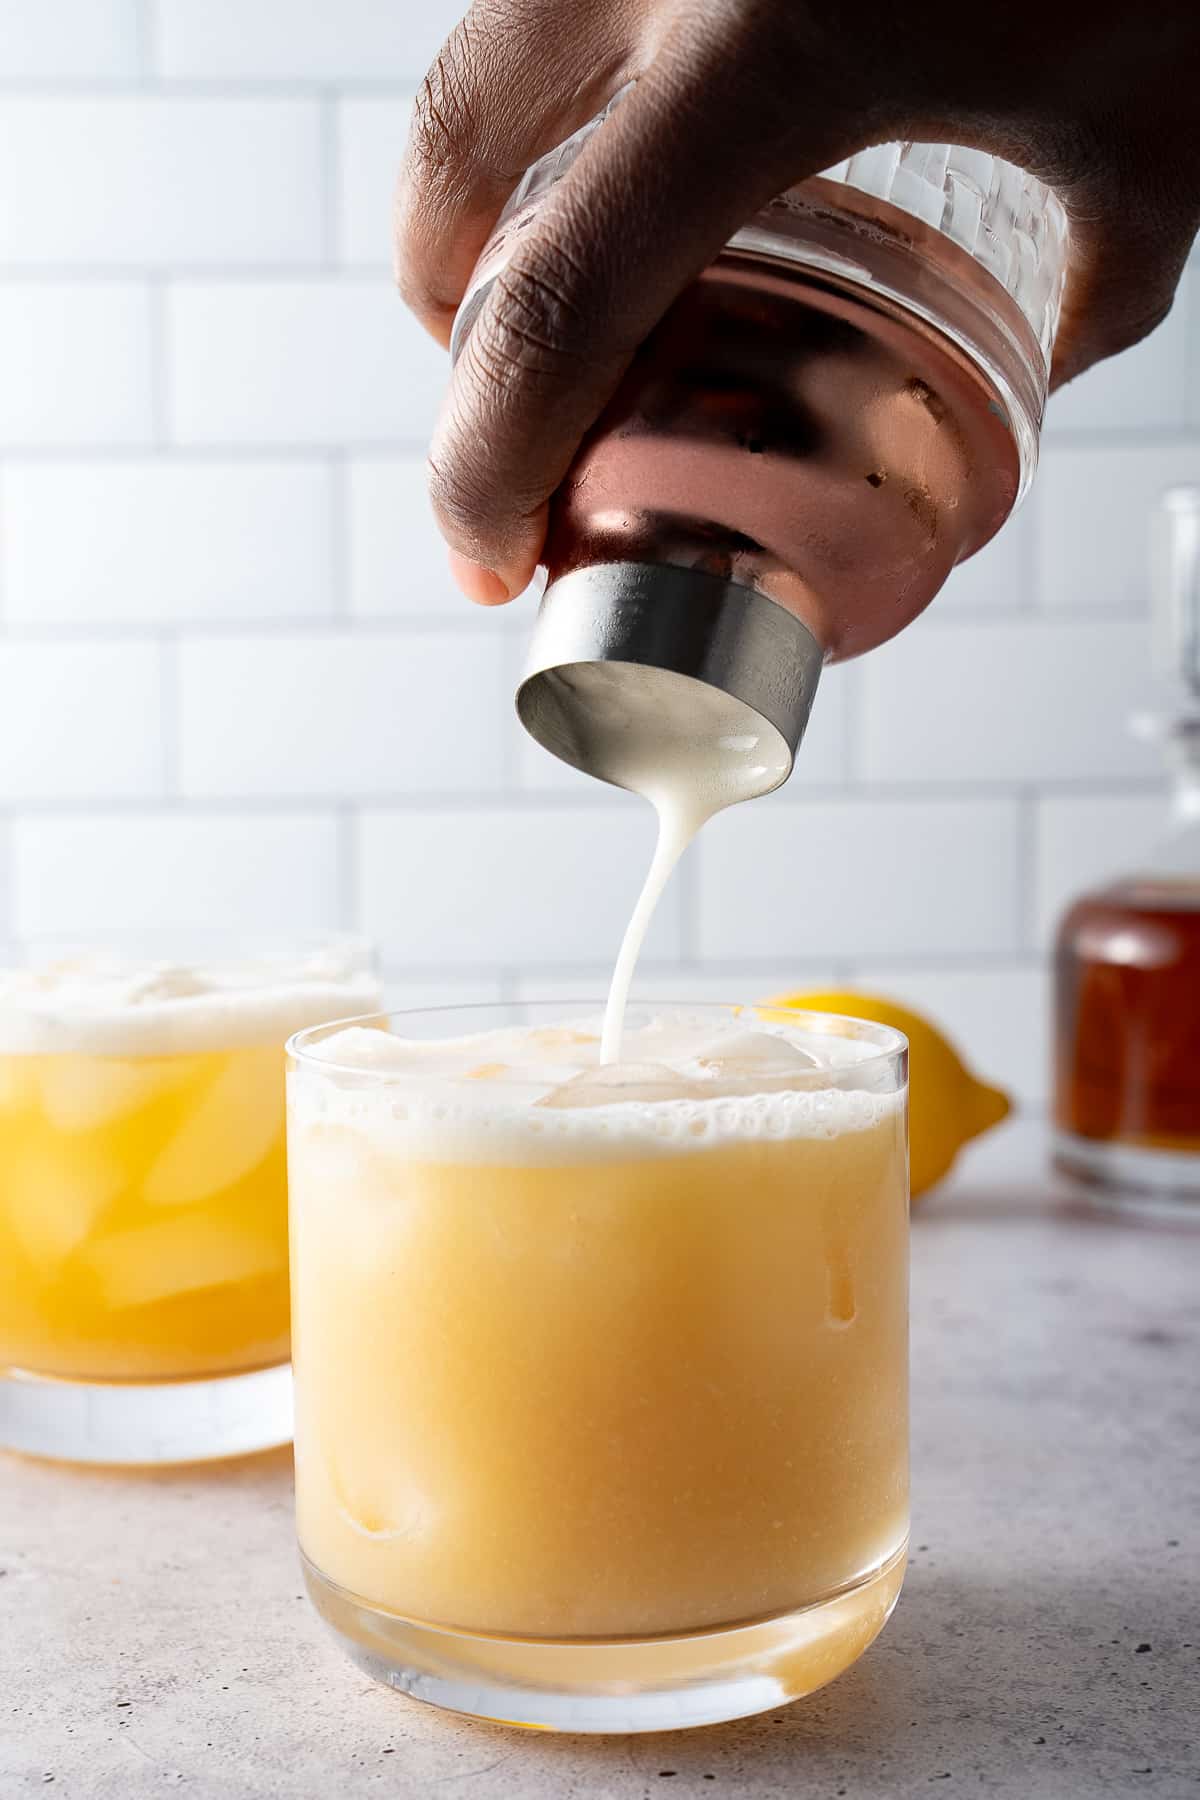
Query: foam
[534,1095]
[109,1006]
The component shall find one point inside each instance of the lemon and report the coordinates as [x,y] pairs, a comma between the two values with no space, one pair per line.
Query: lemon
[948,1106]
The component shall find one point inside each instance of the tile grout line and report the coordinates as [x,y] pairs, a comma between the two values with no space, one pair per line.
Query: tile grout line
[331,156]
[689,874]
[512,653]
[70,271]
[340,549]
[1027,871]
[851,717]
[466,623]
[147,43]
[285,450]
[156,346]
[168,701]
[199,87]
[734,968]
[349,882]
[458,802]
[1028,561]
[8,875]
[1189,298]
[236,628]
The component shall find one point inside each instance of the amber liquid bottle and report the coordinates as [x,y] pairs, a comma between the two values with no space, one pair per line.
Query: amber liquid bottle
[1127,961]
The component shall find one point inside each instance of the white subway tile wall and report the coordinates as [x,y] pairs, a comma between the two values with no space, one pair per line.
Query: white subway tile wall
[323,361]
[75,364]
[166,541]
[984,702]
[157,181]
[1140,390]
[373,715]
[69,41]
[859,876]
[162,870]
[301,40]
[396,560]
[1085,839]
[81,721]
[237,686]
[1091,509]
[371,134]
[507,886]
[1000,575]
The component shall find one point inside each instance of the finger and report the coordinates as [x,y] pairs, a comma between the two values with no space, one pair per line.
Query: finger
[514,79]
[1125,267]
[654,195]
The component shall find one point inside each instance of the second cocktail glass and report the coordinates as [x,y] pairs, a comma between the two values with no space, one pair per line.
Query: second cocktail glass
[143,1200]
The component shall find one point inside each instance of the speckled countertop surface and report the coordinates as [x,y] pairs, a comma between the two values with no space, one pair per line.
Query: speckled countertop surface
[153,1635]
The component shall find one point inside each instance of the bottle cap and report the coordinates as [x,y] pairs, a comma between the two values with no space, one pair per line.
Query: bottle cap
[1177,584]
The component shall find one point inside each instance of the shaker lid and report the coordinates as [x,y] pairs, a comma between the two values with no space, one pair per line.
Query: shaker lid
[628,656]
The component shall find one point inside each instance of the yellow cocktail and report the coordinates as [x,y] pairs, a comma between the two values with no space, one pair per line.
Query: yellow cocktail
[143,1216]
[602,1378]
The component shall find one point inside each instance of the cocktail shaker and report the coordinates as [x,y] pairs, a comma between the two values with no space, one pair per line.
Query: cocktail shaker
[843,406]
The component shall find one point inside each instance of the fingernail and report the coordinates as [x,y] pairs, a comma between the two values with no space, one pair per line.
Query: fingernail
[481,585]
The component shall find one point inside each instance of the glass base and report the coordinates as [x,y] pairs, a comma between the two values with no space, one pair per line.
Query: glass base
[152,1422]
[635,1684]
[1130,1175]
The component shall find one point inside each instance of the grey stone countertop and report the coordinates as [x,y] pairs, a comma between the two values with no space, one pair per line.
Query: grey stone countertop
[1047,1643]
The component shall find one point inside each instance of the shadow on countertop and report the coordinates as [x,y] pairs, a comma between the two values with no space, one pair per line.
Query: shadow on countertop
[1029,1686]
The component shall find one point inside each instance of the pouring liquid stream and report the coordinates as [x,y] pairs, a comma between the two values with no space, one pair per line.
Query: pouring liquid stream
[680,816]
[687,778]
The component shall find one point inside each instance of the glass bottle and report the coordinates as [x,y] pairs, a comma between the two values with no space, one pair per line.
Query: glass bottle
[1127,961]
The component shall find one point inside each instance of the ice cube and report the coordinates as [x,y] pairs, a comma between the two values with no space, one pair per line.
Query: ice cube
[736,1061]
[233,1128]
[82,1093]
[179,1254]
[678,1040]
[15,1086]
[616,1084]
[54,1194]
[749,1054]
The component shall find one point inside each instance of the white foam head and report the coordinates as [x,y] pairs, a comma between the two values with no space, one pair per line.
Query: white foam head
[687,1081]
[112,1005]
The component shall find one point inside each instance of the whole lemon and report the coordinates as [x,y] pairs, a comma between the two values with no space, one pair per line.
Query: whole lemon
[947,1105]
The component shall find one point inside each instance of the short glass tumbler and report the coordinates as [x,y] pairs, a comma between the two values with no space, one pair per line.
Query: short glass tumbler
[601,1411]
[143,1192]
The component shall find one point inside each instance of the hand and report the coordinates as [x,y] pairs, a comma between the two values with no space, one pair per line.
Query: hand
[735,101]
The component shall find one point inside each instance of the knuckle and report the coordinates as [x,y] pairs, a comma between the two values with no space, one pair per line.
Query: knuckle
[442,120]
[534,326]
[449,108]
